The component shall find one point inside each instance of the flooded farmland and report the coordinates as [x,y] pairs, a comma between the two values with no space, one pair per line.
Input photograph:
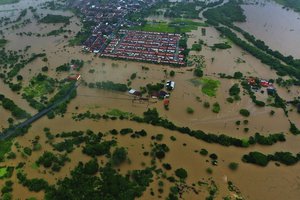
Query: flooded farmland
[206,175]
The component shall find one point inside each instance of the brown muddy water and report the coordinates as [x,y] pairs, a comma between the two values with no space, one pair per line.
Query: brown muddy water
[254,182]
[278,27]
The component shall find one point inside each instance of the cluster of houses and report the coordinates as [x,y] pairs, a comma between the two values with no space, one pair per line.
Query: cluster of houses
[106,17]
[146,46]
[256,84]
[161,94]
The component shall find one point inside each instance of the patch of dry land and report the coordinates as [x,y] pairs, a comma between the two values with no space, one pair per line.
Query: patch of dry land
[215,137]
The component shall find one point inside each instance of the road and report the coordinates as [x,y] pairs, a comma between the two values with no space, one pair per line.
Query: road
[12,132]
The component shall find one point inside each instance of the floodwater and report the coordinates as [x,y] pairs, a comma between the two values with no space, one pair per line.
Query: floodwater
[270,22]
[254,182]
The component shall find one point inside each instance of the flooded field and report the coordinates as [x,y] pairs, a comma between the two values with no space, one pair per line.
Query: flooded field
[278,27]
[257,183]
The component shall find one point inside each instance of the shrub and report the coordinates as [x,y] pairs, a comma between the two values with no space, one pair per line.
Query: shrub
[233,166]
[198,72]
[203,152]
[230,100]
[216,107]
[245,112]
[238,75]
[27,151]
[172,73]
[189,110]
[206,104]
[181,173]
[119,156]
[234,90]
[209,170]
[256,158]
[167,166]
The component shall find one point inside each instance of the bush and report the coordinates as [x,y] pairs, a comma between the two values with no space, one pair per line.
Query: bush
[181,173]
[198,72]
[27,151]
[206,104]
[233,166]
[238,75]
[167,166]
[216,107]
[172,73]
[230,100]
[189,110]
[119,156]
[45,69]
[203,152]
[256,158]
[209,170]
[234,90]
[245,112]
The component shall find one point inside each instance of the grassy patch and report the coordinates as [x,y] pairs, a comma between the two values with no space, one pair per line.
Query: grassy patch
[34,166]
[3,172]
[210,86]
[2,2]
[175,26]
[119,113]
[6,172]
[39,86]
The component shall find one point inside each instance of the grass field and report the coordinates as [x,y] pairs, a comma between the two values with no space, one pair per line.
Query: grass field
[3,172]
[2,2]
[118,113]
[210,86]
[38,88]
[175,26]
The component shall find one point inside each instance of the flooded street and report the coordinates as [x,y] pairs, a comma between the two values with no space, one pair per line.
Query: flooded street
[279,28]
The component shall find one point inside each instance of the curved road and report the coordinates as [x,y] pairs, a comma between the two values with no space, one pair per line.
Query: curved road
[12,132]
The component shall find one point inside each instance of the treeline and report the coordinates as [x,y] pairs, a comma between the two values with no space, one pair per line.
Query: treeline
[151,116]
[232,12]
[17,67]
[109,85]
[15,110]
[49,18]
[261,159]
[265,58]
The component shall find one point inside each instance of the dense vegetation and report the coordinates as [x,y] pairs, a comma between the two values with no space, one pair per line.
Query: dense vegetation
[15,110]
[109,85]
[261,159]
[3,42]
[2,2]
[55,19]
[106,184]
